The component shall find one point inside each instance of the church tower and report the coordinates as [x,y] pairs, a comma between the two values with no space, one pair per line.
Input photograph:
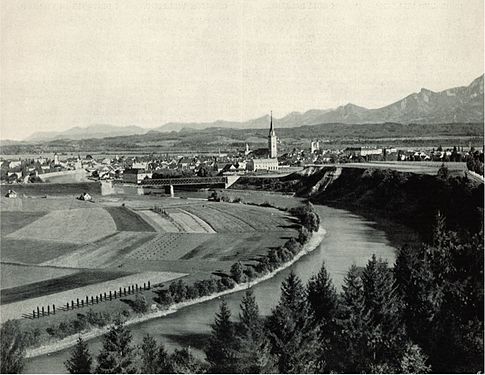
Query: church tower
[273,153]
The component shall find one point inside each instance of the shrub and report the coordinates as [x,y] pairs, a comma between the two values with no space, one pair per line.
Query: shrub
[140,304]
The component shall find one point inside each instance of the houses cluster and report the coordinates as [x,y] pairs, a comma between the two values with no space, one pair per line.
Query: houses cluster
[31,169]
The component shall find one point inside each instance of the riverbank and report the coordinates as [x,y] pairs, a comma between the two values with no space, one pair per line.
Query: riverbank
[312,244]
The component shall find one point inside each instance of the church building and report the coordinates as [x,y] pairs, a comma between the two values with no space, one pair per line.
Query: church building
[270,163]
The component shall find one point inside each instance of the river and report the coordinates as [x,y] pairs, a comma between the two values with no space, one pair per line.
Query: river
[350,239]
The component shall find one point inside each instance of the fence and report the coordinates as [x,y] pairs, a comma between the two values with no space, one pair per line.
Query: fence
[42,311]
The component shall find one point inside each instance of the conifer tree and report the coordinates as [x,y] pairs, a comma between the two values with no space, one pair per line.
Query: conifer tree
[116,356]
[322,298]
[149,355]
[253,354]
[413,360]
[183,362]
[81,360]
[353,324]
[164,362]
[293,335]
[220,351]
[386,333]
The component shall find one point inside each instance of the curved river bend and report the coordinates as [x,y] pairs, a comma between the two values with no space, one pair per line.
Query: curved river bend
[350,239]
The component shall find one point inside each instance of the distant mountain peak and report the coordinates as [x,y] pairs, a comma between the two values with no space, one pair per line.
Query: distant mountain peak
[457,104]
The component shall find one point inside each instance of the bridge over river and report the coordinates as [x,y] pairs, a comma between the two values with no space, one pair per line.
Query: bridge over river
[169,183]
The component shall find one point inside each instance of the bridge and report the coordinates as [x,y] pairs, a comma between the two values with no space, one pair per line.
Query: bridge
[185,181]
[169,183]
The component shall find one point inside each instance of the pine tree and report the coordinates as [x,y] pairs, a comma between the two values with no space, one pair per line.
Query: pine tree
[116,355]
[221,348]
[12,354]
[322,298]
[293,335]
[164,363]
[414,360]
[253,354]
[81,360]
[183,362]
[352,324]
[385,337]
[149,355]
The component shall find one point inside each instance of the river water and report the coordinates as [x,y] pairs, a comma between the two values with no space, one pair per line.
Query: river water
[350,239]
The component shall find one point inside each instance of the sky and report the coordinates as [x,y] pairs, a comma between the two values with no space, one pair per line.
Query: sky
[66,63]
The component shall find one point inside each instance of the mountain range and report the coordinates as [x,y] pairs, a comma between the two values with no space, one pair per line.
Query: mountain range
[462,104]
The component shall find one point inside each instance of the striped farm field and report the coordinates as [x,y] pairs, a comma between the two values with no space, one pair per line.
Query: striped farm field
[230,217]
[79,225]
[220,221]
[169,246]
[128,220]
[104,252]
[187,222]
[157,221]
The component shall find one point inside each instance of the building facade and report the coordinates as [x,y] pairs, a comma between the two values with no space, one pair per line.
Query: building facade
[254,165]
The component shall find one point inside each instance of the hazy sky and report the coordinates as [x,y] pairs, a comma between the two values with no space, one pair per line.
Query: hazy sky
[76,63]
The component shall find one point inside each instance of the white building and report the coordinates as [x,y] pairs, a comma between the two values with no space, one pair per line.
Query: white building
[254,165]
[315,146]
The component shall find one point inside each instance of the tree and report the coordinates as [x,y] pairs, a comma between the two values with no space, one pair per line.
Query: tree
[292,333]
[237,272]
[149,355]
[81,360]
[178,290]
[12,348]
[220,351]
[353,324]
[443,172]
[322,299]
[116,356]
[414,360]
[253,354]
[183,362]
[386,333]
[140,305]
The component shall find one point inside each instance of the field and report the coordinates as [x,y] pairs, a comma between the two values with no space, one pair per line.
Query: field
[169,246]
[102,253]
[53,285]
[127,220]
[157,221]
[24,307]
[33,251]
[43,204]
[11,221]
[58,248]
[14,275]
[54,189]
[79,225]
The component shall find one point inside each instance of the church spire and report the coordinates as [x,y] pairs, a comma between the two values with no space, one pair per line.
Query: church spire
[272,148]
[271,131]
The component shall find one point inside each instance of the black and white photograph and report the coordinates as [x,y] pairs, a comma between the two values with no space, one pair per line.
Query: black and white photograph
[241,186]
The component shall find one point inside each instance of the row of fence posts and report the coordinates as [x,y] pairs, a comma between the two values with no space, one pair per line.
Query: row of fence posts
[135,288]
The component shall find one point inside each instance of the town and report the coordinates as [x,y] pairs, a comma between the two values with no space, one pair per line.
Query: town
[259,161]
